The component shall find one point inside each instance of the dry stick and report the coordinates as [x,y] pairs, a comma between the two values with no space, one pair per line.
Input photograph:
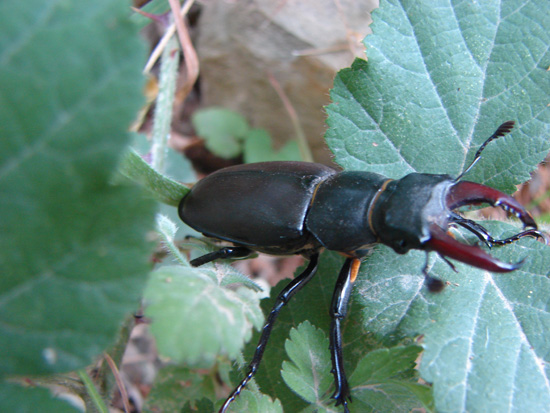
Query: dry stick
[301,137]
[190,56]
[167,35]
[119,383]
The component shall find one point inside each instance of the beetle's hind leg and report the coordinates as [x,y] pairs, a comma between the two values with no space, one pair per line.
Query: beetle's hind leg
[282,299]
[222,253]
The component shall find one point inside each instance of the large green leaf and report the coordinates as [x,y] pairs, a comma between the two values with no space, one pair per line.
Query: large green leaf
[441,77]
[485,336]
[15,398]
[73,252]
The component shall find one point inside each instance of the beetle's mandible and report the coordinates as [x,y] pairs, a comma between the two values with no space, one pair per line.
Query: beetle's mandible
[285,208]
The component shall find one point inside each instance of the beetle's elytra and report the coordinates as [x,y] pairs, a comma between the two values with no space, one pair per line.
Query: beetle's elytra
[285,208]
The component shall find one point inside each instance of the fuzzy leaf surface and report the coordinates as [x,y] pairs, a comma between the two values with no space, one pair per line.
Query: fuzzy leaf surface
[440,78]
[485,336]
[73,250]
[195,319]
[306,374]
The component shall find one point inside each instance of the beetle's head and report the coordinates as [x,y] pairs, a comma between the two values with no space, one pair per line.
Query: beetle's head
[415,212]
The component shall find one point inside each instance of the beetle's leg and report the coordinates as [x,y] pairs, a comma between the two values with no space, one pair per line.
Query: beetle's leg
[435,285]
[222,253]
[339,310]
[482,233]
[282,299]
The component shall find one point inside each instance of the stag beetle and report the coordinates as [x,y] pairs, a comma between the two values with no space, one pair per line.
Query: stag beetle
[284,208]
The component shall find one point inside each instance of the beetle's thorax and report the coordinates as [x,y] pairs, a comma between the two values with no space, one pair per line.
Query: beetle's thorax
[405,209]
[338,212]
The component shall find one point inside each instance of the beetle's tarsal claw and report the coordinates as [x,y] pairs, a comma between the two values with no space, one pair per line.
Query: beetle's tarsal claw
[535,234]
[447,246]
[435,285]
[468,193]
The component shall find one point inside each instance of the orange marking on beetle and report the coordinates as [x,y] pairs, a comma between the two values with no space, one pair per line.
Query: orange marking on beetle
[355,264]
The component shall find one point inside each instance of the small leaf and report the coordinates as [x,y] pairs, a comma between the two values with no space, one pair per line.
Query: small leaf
[203,405]
[386,363]
[175,386]
[194,319]
[249,401]
[258,148]
[384,380]
[222,129]
[306,374]
[289,152]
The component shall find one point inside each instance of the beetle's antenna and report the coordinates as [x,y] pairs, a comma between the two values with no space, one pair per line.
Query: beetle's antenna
[502,130]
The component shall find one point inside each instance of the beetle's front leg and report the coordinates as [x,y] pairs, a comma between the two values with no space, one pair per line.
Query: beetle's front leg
[339,310]
[222,253]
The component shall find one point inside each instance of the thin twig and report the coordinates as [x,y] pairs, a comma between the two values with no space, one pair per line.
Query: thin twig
[167,35]
[190,55]
[300,135]
[119,382]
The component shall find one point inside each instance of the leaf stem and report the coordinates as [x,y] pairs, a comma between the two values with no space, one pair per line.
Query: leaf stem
[92,391]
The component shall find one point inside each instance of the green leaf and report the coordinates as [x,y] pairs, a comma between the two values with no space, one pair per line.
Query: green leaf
[249,401]
[485,335]
[311,305]
[222,129]
[74,255]
[440,78]
[258,148]
[203,405]
[195,319]
[175,386]
[15,398]
[384,381]
[382,364]
[310,361]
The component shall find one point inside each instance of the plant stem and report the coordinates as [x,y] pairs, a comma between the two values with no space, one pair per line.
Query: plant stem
[164,104]
[98,402]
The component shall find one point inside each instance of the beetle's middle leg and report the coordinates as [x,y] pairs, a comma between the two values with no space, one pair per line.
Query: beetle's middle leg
[282,299]
[339,310]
